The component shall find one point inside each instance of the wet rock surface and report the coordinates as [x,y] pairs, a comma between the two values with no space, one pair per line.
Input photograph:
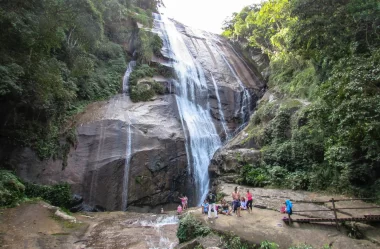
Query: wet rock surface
[96,166]
[226,65]
[131,230]
[32,226]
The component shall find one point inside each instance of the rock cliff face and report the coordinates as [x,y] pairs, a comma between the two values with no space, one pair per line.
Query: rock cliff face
[138,150]
[233,77]
[96,166]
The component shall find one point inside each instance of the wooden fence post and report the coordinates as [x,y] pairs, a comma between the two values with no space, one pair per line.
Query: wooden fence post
[336,217]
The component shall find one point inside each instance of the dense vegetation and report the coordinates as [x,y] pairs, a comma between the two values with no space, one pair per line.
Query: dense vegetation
[14,191]
[326,53]
[59,55]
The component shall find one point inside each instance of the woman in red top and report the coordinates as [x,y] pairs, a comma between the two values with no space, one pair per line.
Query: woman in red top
[249,201]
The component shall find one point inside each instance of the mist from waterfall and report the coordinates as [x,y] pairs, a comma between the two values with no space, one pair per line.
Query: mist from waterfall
[192,101]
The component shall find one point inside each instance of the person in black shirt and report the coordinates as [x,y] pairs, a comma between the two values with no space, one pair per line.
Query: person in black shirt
[211,198]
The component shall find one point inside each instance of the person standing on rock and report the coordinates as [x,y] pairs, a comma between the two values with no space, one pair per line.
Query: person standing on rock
[236,201]
[211,198]
[249,201]
[186,199]
[183,202]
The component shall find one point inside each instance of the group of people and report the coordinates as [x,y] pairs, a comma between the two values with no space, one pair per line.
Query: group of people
[180,208]
[209,205]
[238,203]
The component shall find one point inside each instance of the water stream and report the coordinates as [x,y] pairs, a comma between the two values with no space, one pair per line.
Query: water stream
[160,239]
[131,66]
[128,153]
[126,168]
[245,109]
[222,119]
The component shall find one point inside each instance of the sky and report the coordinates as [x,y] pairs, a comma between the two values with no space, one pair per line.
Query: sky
[207,15]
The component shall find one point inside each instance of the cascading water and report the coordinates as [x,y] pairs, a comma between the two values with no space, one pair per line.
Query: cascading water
[192,101]
[223,120]
[245,110]
[128,153]
[131,66]
[126,168]
[159,226]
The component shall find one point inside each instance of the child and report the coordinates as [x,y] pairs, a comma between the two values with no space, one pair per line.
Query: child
[243,203]
[205,207]
[179,210]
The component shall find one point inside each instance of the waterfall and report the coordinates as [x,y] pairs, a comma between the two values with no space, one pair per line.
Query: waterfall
[126,168]
[223,120]
[245,109]
[124,198]
[192,101]
[131,66]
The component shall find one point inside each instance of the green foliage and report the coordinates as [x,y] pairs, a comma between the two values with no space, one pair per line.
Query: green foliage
[58,194]
[256,177]
[140,72]
[328,55]
[268,245]
[142,87]
[235,243]
[58,56]
[149,44]
[190,228]
[220,196]
[11,189]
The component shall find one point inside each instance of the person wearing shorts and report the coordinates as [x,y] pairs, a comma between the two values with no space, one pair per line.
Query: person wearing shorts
[236,201]
[225,208]
[249,201]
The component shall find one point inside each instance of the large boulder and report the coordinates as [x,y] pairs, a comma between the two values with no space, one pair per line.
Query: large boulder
[226,164]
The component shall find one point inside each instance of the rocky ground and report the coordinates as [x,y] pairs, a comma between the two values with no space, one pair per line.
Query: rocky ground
[34,225]
[266,223]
